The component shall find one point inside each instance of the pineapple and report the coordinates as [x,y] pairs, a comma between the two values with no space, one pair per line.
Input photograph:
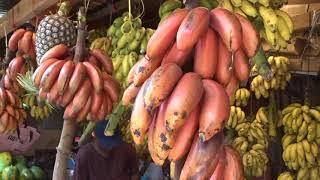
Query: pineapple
[55,29]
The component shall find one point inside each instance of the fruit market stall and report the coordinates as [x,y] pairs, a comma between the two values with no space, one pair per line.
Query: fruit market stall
[202,89]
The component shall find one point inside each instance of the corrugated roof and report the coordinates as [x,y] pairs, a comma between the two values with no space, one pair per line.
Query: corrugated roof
[5,5]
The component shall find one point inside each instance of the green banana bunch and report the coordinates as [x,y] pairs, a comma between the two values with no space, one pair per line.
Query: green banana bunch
[275,25]
[237,116]
[128,41]
[242,96]
[281,75]
[38,110]
[103,43]
[167,7]
[286,176]
[122,65]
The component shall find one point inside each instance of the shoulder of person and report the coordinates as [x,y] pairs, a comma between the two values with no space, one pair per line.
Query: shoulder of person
[85,149]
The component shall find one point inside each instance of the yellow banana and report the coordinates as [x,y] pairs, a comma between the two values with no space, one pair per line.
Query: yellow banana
[269,17]
[286,18]
[283,29]
[316,114]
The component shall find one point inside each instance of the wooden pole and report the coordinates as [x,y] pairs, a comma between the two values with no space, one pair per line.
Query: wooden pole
[64,149]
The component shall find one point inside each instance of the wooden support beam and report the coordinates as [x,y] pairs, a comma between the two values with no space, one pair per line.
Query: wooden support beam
[25,11]
[302,1]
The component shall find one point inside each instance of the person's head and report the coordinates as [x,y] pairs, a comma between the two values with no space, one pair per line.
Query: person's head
[106,141]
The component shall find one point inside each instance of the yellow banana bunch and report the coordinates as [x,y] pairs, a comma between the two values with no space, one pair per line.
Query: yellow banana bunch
[38,110]
[286,176]
[275,25]
[255,161]
[251,141]
[236,117]
[303,121]
[242,96]
[301,140]
[103,43]
[281,75]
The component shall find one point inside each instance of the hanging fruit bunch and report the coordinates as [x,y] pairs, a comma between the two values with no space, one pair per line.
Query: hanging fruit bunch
[102,43]
[11,112]
[78,80]
[242,96]
[251,140]
[171,107]
[301,140]
[55,29]
[275,25]
[19,58]
[281,75]
[128,40]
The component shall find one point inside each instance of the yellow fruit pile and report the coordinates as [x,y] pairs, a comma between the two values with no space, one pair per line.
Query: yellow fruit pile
[301,141]
[251,141]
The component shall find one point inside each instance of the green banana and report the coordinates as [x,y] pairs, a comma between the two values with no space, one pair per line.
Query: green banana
[249,9]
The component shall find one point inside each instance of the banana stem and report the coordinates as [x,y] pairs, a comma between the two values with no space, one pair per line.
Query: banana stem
[87,132]
[271,116]
[69,127]
[81,38]
[114,119]
[261,62]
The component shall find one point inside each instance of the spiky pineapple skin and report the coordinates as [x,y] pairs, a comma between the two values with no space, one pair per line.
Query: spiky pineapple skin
[53,30]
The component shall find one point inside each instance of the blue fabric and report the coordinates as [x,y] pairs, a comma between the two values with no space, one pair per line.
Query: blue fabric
[153,172]
[107,142]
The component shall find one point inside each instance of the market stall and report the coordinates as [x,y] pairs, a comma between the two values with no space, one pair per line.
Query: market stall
[198,89]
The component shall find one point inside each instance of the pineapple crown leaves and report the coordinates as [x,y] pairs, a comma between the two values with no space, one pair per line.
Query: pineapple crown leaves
[25,81]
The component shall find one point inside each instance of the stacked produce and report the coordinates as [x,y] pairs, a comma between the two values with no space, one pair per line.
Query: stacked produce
[301,140]
[128,40]
[79,80]
[242,96]
[55,29]
[281,75]
[17,168]
[275,25]
[172,107]
[251,140]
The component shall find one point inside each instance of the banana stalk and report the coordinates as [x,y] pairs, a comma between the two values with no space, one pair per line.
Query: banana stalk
[87,132]
[114,119]
[69,127]
[263,67]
